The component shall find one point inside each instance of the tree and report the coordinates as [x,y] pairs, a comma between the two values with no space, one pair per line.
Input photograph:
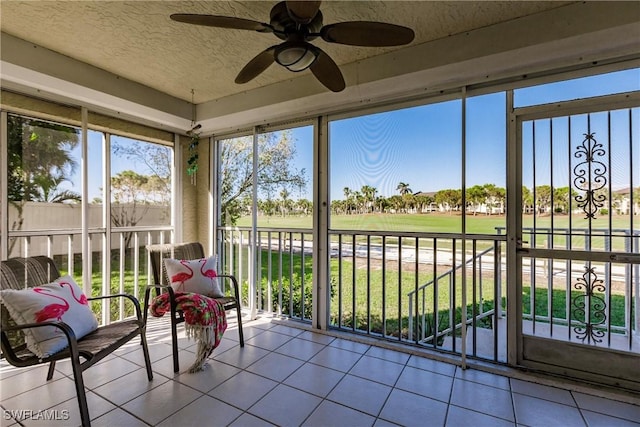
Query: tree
[155,157]
[48,191]
[347,199]
[527,200]
[132,194]
[305,206]
[396,203]
[408,202]
[561,198]
[403,188]
[275,170]
[358,201]
[423,202]
[285,202]
[451,199]
[369,197]
[542,198]
[476,196]
[39,160]
[496,197]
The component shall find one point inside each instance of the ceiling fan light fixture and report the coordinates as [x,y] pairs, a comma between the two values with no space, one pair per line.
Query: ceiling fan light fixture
[296,57]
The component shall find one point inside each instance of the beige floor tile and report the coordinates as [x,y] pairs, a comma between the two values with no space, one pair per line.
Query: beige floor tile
[241,357]
[482,377]
[535,412]
[128,387]
[117,417]
[300,348]
[215,374]
[595,419]
[482,398]
[608,406]
[542,392]
[331,414]
[285,406]
[386,354]
[161,402]
[379,370]
[432,365]
[205,411]
[461,417]
[353,346]
[275,366]
[243,390]
[363,395]
[426,383]
[314,379]
[248,420]
[268,340]
[336,358]
[409,409]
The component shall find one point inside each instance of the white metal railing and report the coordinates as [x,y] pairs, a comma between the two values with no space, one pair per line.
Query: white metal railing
[127,270]
[283,266]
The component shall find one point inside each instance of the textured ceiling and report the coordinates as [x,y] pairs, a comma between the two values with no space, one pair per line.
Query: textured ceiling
[138,41]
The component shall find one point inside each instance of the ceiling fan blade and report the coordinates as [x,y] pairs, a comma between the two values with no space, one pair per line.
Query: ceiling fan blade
[327,72]
[256,66]
[303,12]
[365,33]
[221,22]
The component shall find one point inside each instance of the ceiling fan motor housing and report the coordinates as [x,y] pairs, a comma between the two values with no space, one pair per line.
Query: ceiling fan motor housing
[284,26]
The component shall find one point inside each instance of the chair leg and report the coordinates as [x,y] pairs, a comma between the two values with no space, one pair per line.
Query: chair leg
[240,334]
[145,351]
[82,397]
[52,369]
[174,342]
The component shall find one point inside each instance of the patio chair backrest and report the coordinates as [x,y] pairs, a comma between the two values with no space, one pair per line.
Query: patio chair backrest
[22,273]
[192,250]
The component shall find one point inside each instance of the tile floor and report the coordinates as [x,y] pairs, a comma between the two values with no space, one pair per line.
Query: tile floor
[288,376]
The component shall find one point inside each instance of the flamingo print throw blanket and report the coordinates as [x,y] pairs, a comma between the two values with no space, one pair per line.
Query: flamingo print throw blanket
[205,320]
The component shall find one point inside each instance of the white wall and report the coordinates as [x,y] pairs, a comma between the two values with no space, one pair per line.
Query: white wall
[61,216]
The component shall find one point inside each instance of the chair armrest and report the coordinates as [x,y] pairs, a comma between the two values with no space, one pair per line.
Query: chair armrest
[234,282]
[9,352]
[147,294]
[133,299]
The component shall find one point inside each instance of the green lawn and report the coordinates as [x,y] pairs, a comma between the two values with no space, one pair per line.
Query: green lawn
[367,290]
[433,222]
[370,302]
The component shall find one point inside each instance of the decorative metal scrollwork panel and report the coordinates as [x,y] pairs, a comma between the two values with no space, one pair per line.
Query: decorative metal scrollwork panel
[590,175]
[589,308]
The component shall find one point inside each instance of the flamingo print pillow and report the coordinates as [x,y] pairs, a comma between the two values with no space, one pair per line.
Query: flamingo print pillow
[60,301]
[197,276]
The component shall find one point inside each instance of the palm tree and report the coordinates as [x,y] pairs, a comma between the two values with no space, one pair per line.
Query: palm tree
[347,199]
[369,197]
[48,189]
[403,188]
[284,195]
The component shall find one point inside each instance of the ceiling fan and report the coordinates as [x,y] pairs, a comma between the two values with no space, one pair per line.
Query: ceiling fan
[298,23]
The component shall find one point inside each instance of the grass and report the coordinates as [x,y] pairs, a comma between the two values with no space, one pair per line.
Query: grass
[366,291]
[452,223]
[364,299]
[434,222]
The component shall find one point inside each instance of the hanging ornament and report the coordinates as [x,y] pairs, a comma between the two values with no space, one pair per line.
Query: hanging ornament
[192,161]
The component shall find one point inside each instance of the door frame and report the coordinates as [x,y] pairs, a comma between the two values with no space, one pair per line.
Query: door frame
[602,365]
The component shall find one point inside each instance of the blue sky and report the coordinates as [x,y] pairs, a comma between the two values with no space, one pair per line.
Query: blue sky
[421,146]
